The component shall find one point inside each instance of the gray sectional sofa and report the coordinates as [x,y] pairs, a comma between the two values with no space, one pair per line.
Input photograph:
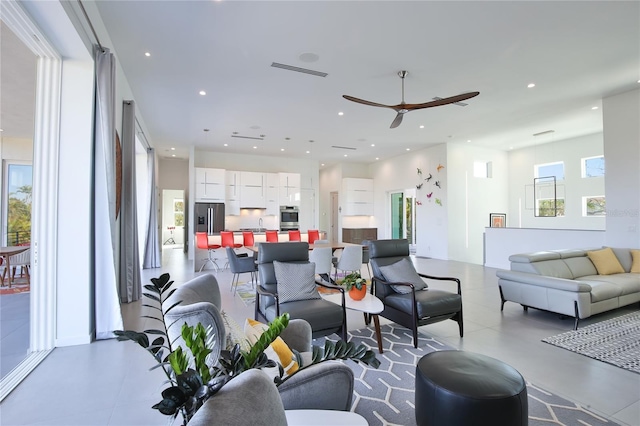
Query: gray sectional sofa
[567,282]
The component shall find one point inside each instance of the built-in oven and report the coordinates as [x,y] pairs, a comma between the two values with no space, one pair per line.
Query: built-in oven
[289,218]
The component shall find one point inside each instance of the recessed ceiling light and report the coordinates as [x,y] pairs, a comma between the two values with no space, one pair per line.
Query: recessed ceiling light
[345,155]
[287,139]
[638,81]
[408,149]
[206,130]
[530,85]
[255,147]
[308,152]
[173,155]
[1,130]
[595,107]
[173,149]
[377,158]
[147,54]
[510,147]
[308,57]
[341,113]
[202,92]
[281,149]
[322,164]
[422,126]
[311,140]
[468,140]
[373,144]
[226,144]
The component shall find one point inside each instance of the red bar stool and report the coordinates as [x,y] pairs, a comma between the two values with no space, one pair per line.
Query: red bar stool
[227,239]
[272,236]
[294,236]
[314,235]
[202,242]
[248,239]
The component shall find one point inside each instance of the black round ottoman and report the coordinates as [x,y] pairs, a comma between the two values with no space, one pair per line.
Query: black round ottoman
[465,388]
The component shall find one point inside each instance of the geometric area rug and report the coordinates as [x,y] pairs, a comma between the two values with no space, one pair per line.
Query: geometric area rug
[386,395]
[615,341]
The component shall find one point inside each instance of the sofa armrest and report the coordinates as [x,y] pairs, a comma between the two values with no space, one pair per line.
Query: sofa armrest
[544,281]
[249,399]
[324,386]
[297,335]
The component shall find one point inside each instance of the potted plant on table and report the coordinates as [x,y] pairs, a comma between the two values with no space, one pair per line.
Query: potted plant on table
[355,285]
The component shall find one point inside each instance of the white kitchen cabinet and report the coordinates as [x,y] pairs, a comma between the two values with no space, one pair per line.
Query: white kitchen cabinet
[289,189]
[272,181]
[358,197]
[210,185]
[252,190]
[232,201]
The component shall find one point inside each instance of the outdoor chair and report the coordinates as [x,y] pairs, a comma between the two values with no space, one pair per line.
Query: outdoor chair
[406,298]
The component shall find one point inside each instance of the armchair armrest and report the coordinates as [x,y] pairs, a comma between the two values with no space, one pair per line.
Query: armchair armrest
[331,286]
[432,277]
[324,386]
[297,335]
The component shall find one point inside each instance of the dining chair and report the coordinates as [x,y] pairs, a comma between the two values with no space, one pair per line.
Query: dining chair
[294,235]
[248,239]
[240,265]
[322,257]
[365,256]
[313,235]
[272,236]
[405,295]
[350,260]
[202,242]
[22,260]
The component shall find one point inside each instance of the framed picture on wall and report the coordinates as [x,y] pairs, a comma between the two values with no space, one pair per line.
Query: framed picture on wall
[497,220]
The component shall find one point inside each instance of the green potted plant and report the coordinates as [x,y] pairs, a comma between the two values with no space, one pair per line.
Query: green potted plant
[355,285]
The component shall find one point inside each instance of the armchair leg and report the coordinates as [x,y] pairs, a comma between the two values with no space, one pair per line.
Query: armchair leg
[415,335]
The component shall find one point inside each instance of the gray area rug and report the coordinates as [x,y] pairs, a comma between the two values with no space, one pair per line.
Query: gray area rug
[615,341]
[385,396]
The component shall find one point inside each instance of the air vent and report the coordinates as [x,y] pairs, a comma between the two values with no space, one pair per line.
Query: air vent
[455,103]
[298,69]
[247,137]
[546,132]
[343,147]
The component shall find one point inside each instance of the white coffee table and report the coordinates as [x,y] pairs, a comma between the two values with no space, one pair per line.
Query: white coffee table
[324,418]
[370,304]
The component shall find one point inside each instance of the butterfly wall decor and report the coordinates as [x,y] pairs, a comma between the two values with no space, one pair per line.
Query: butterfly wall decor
[428,178]
[440,167]
[438,184]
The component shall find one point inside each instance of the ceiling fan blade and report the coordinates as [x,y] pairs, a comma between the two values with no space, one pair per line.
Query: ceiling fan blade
[444,101]
[362,101]
[397,120]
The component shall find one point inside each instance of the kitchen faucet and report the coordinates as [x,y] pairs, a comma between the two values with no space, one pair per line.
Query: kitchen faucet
[260,223]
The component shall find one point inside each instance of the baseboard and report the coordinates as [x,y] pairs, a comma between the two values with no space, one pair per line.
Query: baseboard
[74,341]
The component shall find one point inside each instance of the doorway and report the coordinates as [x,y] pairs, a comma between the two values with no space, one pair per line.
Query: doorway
[173,218]
[403,216]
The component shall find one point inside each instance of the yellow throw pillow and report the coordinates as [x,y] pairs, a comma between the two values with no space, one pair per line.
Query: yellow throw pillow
[278,350]
[605,261]
[635,266]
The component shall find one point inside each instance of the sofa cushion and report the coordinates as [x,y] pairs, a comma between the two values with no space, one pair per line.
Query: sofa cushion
[635,266]
[580,266]
[601,290]
[624,257]
[605,261]
[296,281]
[628,283]
[553,268]
[403,271]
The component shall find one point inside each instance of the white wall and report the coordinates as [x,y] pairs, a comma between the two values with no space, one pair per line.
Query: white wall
[400,173]
[622,155]
[471,199]
[570,151]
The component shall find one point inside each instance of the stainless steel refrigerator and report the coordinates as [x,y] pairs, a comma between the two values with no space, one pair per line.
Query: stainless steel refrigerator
[209,217]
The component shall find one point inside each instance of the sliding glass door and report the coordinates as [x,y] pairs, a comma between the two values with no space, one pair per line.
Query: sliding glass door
[403,224]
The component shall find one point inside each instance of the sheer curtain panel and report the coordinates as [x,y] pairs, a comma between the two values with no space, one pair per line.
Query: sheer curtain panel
[106,305]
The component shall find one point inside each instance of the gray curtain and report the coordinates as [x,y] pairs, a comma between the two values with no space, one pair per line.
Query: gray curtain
[106,305]
[130,282]
[152,247]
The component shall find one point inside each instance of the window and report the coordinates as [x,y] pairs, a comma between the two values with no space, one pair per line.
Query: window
[547,208]
[594,206]
[19,183]
[549,170]
[593,166]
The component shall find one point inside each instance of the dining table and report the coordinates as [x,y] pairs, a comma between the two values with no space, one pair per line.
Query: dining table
[6,253]
[334,246]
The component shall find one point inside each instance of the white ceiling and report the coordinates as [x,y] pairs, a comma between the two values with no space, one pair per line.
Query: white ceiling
[575,52]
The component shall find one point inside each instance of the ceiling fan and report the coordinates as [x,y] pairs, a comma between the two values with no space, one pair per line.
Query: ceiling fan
[403,108]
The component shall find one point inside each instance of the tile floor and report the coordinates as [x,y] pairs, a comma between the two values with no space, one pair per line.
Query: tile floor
[108,382]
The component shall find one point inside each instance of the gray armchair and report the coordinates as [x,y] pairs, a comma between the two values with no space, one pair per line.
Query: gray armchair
[324,386]
[324,317]
[403,303]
